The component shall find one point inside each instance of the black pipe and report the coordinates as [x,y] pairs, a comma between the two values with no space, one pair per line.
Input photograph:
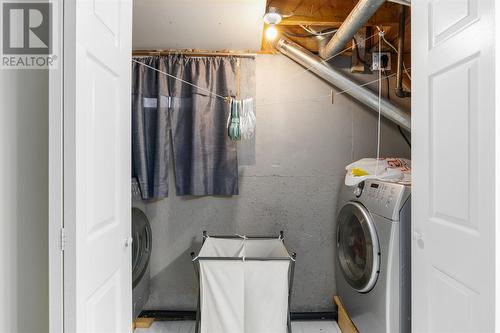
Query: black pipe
[400,92]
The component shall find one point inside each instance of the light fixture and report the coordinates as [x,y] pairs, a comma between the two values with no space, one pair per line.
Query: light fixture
[272,16]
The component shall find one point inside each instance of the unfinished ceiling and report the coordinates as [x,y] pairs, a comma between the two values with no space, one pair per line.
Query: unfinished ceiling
[323,14]
[198,24]
[304,19]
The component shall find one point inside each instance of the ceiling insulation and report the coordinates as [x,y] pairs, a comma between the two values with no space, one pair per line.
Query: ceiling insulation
[198,24]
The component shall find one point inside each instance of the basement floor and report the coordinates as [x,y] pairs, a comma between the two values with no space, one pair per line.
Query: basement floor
[322,326]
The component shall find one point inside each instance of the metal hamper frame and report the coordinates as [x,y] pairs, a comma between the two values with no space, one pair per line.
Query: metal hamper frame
[291,270]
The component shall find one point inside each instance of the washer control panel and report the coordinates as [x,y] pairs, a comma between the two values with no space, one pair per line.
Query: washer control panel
[382,198]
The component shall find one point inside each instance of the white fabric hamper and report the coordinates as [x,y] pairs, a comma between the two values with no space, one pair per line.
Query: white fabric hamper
[244,285]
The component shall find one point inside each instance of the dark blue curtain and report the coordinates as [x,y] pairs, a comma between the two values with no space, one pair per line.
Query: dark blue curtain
[171,119]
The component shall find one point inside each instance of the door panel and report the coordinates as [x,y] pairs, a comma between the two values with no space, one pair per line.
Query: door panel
[98,50]
[452,126]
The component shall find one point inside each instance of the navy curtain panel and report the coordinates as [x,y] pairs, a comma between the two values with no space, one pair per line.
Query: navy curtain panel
[173,120]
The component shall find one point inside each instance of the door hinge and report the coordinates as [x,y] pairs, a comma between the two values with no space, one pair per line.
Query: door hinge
[63,239]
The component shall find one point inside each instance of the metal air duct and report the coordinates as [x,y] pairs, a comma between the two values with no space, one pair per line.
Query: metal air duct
[322,69]
[358,17]
[356,20]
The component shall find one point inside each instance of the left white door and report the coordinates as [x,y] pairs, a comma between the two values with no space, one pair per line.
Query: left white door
[97,161]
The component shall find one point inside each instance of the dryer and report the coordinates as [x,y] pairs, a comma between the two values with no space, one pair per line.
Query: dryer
[141,254]
[373,258]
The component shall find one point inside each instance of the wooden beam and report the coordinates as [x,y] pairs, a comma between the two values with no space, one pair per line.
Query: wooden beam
[358,51]
[142,322]
[344,321]
[303,20]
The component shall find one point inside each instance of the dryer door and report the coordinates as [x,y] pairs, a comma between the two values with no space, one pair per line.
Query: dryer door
[141,245]
[357,247]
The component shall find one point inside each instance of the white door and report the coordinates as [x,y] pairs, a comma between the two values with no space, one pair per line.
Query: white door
[97,134]
[453,116]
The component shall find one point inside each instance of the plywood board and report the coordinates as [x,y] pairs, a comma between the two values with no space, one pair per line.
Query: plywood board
[345,323]
[143,322]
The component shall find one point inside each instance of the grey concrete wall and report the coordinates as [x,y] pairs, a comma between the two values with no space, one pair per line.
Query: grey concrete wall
[24,297]
[289,181]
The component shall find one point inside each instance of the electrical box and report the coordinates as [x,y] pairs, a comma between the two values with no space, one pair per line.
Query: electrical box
[384,62]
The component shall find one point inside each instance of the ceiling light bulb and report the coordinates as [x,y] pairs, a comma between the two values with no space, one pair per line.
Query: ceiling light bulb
[271,32]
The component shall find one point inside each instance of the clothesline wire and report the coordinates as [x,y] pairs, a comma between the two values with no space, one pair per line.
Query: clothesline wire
[296,100]
[365,84]
[181,80]
[329,95]
[225,98]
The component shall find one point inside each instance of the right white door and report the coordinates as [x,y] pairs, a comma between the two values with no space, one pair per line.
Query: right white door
[453,157]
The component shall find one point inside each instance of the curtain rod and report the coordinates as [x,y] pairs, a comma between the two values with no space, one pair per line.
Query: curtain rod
[194,53]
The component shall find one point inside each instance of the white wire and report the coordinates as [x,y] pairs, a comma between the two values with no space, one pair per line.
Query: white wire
[297,100]
[315,33]
[379,100]
[397,52]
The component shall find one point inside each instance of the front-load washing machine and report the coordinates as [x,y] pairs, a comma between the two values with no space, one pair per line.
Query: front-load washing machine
[373,258]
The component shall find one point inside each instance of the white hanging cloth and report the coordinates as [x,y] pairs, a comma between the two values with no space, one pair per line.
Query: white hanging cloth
[247,119]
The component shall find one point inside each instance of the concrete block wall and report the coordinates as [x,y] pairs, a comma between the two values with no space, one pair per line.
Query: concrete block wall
[289,180]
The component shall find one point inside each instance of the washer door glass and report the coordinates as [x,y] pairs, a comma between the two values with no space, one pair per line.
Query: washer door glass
[357,247]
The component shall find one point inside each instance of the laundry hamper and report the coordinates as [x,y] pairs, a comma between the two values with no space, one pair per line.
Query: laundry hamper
[244,285]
